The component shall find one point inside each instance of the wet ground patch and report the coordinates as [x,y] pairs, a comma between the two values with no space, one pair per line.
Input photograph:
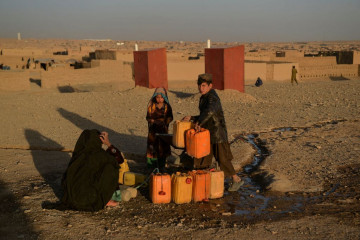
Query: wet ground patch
[342,199]
[251,205]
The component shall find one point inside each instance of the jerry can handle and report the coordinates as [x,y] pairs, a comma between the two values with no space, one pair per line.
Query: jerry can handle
[198,131]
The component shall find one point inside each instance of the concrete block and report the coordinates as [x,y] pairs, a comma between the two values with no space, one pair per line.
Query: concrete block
[150,68]
[227,67]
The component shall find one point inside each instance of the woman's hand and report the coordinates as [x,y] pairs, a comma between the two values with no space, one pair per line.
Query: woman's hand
[104,137]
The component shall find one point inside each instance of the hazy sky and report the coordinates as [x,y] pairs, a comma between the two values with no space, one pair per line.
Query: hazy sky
[188,20]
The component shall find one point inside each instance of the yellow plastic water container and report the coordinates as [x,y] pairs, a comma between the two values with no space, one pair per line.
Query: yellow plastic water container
[124,167]
[216,184]
[131,178]
[179,129]
[181,188]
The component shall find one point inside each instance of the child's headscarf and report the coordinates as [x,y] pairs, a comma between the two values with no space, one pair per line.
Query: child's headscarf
[163,93]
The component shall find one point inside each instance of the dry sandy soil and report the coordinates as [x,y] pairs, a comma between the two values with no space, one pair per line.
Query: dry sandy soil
[307,186]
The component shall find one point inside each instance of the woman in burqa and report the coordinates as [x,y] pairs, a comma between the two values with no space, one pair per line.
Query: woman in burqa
[92,174]
[159,115]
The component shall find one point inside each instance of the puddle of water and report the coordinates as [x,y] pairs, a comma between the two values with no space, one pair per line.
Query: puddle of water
[332,190]
[250,201]
[253,201]
[284,129]
[261,153]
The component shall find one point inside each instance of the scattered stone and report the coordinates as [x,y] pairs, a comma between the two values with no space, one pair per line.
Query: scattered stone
[27,211]
[349,200]
[226,214]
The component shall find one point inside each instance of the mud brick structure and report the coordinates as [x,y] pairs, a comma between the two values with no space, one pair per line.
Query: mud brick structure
[150,68]
[105,54]
[14,80]
[276,65]
[227,67]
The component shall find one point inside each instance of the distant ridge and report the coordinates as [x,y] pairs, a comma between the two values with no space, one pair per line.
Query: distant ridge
[99,40]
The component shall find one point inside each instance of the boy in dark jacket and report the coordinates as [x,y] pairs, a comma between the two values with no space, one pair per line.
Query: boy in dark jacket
[212,118]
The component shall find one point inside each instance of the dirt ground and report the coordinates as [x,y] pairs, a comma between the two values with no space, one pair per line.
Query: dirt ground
[305,141]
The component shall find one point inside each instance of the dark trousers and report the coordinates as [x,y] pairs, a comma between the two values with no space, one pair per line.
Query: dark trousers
[222,154]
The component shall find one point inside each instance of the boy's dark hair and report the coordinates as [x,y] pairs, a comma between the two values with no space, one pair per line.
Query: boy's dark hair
[206,77]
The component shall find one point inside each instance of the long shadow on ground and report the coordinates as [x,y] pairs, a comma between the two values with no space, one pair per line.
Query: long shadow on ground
[131,145]
[182,94]
[48,159]
[338,78]
[14,224]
